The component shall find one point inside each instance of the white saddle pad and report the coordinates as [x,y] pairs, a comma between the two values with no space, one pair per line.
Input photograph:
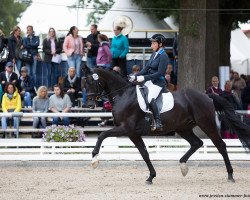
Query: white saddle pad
[167,100]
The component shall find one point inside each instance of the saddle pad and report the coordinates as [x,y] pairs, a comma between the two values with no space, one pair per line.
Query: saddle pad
[165,101]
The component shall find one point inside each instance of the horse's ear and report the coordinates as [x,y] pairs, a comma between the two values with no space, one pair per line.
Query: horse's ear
[86,70]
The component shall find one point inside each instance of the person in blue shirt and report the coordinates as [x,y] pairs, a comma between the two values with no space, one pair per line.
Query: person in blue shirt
[119,50]
[155,71]
[31,43]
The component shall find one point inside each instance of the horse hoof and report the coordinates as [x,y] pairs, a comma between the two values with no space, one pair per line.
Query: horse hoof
[95,162]
[230,178]
[149,182]
[184,169]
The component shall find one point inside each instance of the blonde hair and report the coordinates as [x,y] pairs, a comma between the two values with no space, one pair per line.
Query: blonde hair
[15,29]
[40,89]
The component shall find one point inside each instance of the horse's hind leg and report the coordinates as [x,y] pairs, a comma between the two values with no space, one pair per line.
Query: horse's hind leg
[137,140]
[213,134]
[195,144]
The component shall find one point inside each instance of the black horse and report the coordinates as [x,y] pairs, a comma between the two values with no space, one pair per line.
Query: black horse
[191,108]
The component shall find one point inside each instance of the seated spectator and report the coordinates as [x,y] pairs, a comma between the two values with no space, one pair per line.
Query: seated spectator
[135,70]
[107,107]
[104,55]
[8,76]
[26,87]
[40,105]
[245,95]
[72,85]
[231,96]
[235,102]
[171,73]
[238,84]
[170,86]
[117,69]
[59,103]
[214,88]
[11,103]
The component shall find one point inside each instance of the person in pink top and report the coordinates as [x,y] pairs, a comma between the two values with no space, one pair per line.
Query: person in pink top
[73,47]
[104,55]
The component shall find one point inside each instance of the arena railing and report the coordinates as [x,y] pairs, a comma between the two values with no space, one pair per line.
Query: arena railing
[69,114]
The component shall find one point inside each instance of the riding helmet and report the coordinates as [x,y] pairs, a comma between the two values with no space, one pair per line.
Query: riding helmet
[158,38]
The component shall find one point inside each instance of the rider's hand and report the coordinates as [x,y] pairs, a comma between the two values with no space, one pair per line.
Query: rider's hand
[131,78]
[140,78]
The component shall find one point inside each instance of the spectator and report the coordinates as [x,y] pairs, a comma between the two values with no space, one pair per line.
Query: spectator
[31,43]
[8,76]
[11,103]
[233,99]
[170,86]
[15,43]
[214,88]
[171,73]
[3,55]
[175,55]
[231,96]
[231,75]
[26,87]
[59,103]
[92,46]
[238,84]
[245,95]
[51,47]
[117,69]
[104,55]
[73,47]
[135,70]
[119,50]
[40,105]
[72,85]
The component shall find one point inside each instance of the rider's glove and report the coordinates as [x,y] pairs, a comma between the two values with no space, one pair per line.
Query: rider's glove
[140,78]
[131,78]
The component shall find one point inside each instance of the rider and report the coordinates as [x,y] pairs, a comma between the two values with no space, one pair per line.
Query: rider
[155,70]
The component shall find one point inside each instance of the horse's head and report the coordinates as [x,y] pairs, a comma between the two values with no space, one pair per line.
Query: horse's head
[104,82]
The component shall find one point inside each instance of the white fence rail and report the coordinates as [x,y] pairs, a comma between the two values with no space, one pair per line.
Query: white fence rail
[114,149]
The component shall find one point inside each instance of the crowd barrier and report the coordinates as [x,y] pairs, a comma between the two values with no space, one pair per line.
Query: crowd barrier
[114,148]
[71,114]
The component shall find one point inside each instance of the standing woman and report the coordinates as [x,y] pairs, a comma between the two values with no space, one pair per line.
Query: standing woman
[155,71]
[31,43]
[51,47]
[59,103]
[11,103]
[15,43]
[40,105]
[119,50]
[104,55]
[3,52]
[73,47]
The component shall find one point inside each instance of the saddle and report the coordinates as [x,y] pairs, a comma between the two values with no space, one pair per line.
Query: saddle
[147,92]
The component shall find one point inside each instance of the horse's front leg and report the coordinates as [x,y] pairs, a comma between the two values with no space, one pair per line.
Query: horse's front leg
[114,132]
[137,140]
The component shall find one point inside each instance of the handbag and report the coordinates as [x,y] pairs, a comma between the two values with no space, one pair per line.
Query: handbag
[25,56]
[4,54]
[57,58]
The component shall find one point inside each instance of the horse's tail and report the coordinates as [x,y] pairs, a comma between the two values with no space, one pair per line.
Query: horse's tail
[230,120]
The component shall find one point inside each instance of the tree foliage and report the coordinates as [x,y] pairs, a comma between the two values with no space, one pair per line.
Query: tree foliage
[10,11]
[99,7]
[160,8]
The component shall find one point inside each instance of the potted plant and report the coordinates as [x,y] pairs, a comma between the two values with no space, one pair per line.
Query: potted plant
[60,133]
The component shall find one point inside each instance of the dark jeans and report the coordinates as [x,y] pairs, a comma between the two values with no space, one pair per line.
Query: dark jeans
[122,63]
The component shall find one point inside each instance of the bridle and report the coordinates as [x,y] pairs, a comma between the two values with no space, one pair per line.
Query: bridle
[99,88]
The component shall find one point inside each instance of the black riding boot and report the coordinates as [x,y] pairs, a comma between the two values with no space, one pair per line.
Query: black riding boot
[156,114]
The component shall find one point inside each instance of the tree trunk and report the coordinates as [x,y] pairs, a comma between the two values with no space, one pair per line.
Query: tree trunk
[199,52]
[191,71]
[225,38]
[212,42]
